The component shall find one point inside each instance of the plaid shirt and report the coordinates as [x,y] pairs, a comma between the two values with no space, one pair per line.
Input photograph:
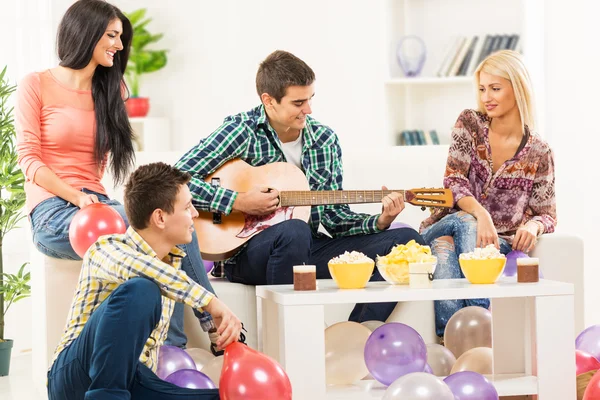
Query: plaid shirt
[249,136]
[114,259]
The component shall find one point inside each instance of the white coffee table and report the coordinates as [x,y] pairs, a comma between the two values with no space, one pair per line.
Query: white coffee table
[533,334]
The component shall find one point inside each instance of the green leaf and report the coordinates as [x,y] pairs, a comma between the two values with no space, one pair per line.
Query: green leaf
[141,59]
[158,59]
[136,16]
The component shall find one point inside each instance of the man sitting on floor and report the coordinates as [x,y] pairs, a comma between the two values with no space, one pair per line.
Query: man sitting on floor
[125,296]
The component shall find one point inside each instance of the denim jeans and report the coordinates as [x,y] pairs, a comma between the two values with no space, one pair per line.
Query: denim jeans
[269,257]
[50,222]
[462,227]
[102,363]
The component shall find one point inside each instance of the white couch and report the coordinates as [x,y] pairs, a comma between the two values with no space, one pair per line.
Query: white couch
[561,255]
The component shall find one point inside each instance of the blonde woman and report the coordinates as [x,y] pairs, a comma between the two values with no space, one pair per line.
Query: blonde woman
[501,174]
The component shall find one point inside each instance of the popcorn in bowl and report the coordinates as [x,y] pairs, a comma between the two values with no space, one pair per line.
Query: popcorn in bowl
[394,266]
[351,270]
[483,265]
[354,257]
[483,253]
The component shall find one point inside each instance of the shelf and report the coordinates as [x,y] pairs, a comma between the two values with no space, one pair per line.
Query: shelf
[433,80]
[506,385]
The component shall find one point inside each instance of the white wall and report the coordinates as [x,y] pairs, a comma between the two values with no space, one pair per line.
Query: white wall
[215,48]
[572,103]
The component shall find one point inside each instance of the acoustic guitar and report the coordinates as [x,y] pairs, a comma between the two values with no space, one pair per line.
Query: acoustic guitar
[220,236]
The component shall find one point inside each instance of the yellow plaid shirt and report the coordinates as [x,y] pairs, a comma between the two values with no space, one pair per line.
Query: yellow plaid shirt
[114,259]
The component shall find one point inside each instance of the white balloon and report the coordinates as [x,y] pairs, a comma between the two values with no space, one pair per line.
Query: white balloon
[213,369]
[418,386]
[372,325]
[200,356]
[440,359]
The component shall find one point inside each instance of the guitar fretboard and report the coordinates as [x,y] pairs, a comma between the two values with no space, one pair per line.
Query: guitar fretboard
[318,198]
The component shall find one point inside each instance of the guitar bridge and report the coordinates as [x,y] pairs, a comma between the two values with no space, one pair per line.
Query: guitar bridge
[217,220]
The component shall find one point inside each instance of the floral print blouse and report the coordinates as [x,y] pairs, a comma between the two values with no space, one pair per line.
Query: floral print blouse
[521,190]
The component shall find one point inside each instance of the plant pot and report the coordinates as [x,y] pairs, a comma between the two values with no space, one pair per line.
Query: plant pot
[137,106]
[5,350]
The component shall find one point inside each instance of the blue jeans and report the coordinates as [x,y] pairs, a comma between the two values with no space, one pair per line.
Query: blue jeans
[50,221]
[269,257]
[103,362]
[462,227]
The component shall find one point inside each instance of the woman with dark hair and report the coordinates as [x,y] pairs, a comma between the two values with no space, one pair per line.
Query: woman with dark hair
[70,119]
[71,125]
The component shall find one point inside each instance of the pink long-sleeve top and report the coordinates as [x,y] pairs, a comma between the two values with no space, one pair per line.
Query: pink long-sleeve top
[520,191]
[56,129]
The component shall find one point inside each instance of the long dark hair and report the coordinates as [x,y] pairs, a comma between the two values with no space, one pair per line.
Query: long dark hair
[80,29]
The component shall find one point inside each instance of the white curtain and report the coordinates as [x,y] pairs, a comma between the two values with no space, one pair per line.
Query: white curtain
[30,27]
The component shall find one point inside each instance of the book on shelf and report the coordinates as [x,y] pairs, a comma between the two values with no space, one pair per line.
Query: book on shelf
[466,53]
[417,138]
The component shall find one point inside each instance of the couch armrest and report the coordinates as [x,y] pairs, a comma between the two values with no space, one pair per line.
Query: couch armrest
[561,259]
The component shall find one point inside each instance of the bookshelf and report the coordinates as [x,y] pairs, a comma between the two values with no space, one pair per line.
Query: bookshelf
[431,102]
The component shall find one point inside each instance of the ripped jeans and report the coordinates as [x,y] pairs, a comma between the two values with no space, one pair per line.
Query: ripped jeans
[462,227]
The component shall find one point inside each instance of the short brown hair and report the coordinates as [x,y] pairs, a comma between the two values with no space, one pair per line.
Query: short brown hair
[150,187]
[281,70]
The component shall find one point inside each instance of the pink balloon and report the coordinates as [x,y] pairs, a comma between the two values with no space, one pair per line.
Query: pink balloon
[90,223]
[585,362]
[592,392]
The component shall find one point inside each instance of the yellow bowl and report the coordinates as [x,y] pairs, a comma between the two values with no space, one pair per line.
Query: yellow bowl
[351,275]
[482,271]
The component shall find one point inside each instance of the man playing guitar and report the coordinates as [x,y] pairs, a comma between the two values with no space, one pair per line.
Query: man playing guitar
[281,129]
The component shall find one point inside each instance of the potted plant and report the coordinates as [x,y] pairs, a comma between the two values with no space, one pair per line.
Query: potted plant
[13,287]
[141,61]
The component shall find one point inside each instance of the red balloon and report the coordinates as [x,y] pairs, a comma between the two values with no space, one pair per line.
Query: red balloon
[592,392]
[90,223]
[585,362]
[248,374]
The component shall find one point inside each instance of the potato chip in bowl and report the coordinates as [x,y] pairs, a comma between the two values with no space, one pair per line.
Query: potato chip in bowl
[394,266]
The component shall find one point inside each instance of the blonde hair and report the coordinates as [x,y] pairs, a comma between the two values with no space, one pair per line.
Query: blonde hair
[508,64]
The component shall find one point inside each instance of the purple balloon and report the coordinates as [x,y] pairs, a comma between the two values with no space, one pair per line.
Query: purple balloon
[394,350]
[510,269]
[172,359]
[588,341]
[468,385]
[398,225]
[428,369]
[191,379]
[208,265]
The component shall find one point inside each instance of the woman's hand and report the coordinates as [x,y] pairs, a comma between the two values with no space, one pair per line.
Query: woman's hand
[486,231]
[86,199]
[525,238]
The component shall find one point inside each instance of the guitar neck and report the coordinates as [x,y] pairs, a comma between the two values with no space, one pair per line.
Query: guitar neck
[325,197]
